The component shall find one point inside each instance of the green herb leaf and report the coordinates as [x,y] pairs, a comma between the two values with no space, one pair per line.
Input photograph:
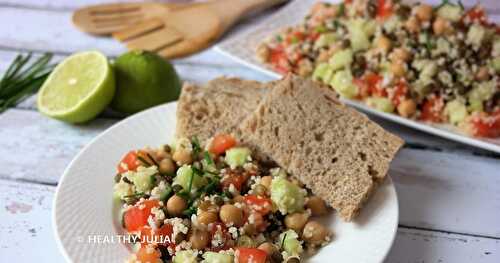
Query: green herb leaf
[153,160]
[283,240]
[196,146]
[23,78]
[341,10]
[208,158]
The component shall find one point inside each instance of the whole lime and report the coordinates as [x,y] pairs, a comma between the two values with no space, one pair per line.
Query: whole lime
[143,80]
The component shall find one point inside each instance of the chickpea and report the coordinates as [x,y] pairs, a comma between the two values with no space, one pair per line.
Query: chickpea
[423,12]
[268,247]
[398,68]
[182,156]
[317,206]
[323,56]
[206,218]
[238,199]
[263,53]
[315,233]
[383,44]
[296,221]
[175,205]
[167,166]
[440,26]
[160,154]
[400,54]
[305,67]
[231,215]
[249,229]
[199,238]
[207,206]
[260,190]
[266,181]
[407,108]
[482,73]
[412,25]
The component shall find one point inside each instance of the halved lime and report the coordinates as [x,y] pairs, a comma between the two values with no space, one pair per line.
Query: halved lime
[78,89]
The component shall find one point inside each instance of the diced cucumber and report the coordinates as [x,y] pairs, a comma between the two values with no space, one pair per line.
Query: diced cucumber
[143,178]
[287,196]
[323,73]
[237,156]
[475,35]
[325,40]
[450,12]
[482,91]
[456,111]
[213,257]
[185,256]
[495,63]
[122,189]
[357,35]
[475,105]
[391,24]
[290,243]
[341,59]
[184,174]
[496,47]
[381,104]
[342,83]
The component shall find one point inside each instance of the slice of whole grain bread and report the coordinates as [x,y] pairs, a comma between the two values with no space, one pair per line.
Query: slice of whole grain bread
[334,150]
[217,107]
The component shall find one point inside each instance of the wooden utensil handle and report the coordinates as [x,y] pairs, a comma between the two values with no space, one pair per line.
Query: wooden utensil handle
[232,10]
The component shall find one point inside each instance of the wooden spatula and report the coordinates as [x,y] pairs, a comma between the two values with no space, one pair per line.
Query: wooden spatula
[105,19]
[182,32]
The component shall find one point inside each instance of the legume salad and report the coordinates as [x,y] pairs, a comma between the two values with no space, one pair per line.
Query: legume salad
[183,203]
[437,64]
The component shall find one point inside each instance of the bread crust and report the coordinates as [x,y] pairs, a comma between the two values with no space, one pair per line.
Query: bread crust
[334,150]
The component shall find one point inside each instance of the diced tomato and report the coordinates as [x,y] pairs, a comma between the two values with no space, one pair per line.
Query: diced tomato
[384,9]
[486,125]
[259,204]
[476,14]
[279,60]
[129,162]
[219,232]
[148,254]
[374,82]
[250,255]
[362,88]
[135,217]
[432,110]
[234,179]
[399,92]
[313,36]
[294,37]
[221,143]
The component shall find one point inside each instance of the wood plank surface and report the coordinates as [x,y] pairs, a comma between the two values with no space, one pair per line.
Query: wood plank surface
[26,232]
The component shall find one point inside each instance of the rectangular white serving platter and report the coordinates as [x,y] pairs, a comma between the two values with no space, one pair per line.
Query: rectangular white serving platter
[241,44]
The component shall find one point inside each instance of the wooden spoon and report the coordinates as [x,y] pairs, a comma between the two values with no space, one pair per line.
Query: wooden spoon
[105,19]
[182,32]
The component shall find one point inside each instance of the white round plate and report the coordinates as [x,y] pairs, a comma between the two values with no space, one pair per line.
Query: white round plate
[86,219]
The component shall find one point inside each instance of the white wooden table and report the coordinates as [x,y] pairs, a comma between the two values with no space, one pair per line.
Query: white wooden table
[449,194]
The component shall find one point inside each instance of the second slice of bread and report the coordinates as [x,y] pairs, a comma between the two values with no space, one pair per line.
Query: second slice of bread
[334,150]
[217,107]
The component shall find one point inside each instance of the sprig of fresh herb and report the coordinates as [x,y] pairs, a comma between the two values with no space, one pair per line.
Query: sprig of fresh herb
[196,146]
[283,240]
[208,158]
[23,78]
